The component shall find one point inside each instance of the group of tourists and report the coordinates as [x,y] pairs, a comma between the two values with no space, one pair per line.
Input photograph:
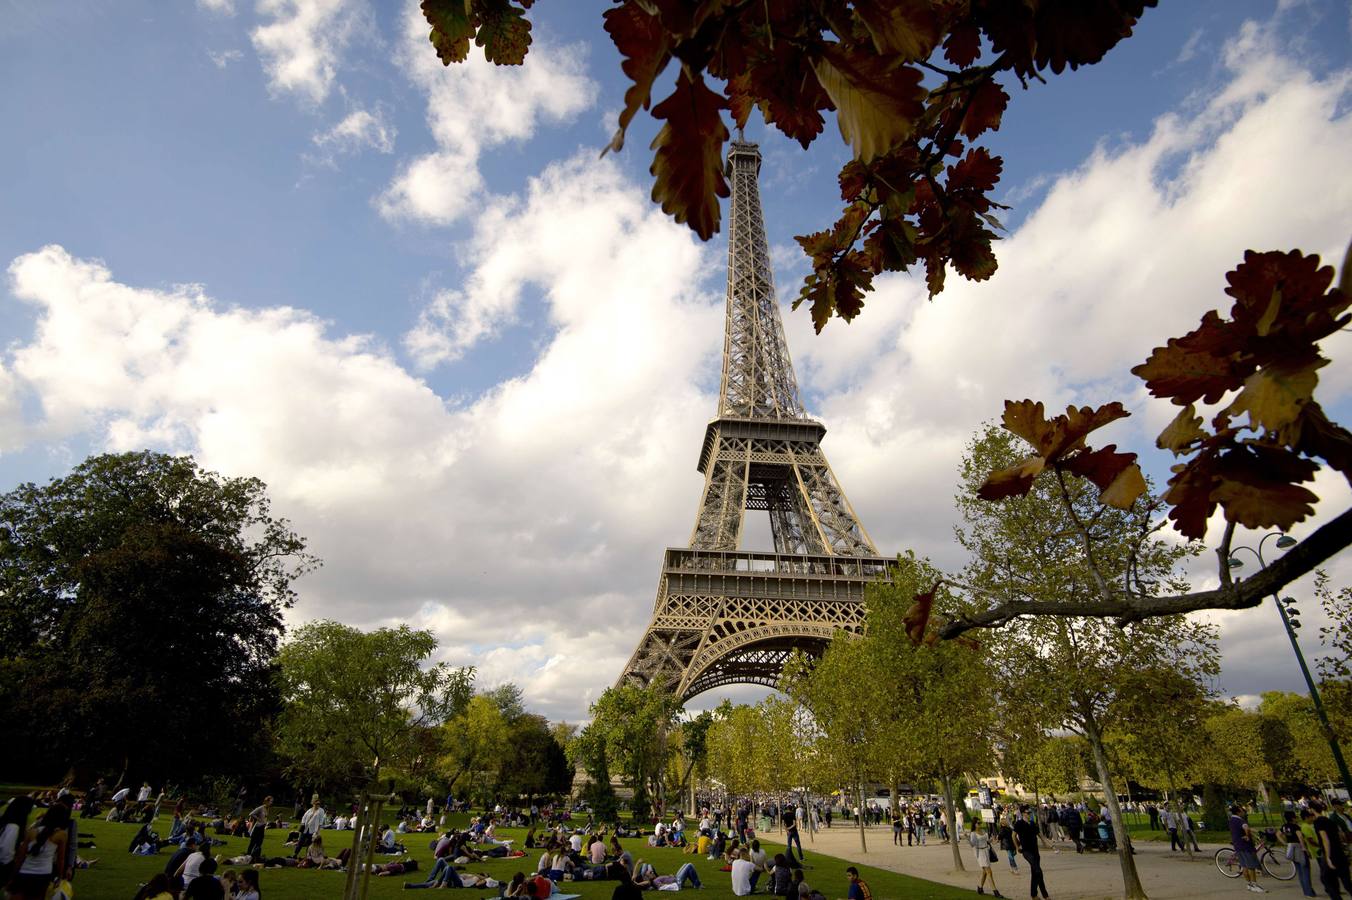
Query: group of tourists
[1018,834]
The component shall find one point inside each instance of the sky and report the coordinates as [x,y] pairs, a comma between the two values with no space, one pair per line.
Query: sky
[473,361]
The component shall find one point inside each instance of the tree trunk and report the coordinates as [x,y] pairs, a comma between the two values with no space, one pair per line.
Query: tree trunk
[859,792]
[1177,805]
[952,825]
[1131,879]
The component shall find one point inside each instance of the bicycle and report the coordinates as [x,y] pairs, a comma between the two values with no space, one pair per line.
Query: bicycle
[1274,864]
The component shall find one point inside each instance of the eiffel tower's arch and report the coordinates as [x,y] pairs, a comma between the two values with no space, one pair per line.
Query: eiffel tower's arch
[730,616]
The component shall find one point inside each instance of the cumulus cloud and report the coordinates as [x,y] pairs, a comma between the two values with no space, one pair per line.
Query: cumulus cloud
[472,106]
[530,518]
[301,42]
[359,130]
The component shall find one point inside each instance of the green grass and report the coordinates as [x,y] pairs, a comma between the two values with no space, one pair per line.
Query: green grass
[118,873]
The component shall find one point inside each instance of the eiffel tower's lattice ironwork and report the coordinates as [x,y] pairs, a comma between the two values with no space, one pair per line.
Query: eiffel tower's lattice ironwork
[728,616]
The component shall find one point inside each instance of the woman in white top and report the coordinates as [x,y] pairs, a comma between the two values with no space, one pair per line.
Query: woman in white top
[13,825]
[41,856]
[981,843]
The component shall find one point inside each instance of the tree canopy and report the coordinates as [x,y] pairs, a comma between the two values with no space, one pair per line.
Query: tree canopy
[141,604]
[357,701]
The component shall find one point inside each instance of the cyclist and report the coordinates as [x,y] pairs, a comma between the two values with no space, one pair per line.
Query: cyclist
[1241,838]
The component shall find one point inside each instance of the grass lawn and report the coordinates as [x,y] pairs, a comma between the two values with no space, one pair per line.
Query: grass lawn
[118,873]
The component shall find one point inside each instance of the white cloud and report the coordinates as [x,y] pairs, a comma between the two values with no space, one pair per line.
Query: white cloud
[472,106]
[359,130]
[531,517]
[220,7]
[301,45]
[222,58]
[1189,48]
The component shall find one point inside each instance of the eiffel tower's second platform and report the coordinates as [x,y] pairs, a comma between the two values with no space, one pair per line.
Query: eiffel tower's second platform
[734,617]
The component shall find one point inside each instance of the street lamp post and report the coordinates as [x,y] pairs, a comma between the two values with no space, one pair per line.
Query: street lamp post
[1291,624]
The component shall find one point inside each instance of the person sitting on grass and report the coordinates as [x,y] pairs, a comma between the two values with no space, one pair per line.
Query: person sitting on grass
[515,888]
[597,851]
[560,865]
[157,888]
[858,889]
[781,876]
[205,886]
[388,843]
[742,870]
[249,889]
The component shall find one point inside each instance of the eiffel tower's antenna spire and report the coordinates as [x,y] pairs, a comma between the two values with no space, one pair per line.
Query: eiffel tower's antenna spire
[758,379]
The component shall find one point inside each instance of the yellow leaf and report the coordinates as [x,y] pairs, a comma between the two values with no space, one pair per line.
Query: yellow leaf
[1185,429]
[1274,396]
[877,103]
[1126,487]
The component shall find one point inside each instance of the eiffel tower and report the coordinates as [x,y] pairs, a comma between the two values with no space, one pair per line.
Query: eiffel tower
[729,616]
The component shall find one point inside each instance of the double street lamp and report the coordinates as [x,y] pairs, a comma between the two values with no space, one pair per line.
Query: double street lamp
[1286,608]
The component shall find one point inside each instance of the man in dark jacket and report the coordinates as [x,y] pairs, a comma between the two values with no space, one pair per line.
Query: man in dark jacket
[1071,821]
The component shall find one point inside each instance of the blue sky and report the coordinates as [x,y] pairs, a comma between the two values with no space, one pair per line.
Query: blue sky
[473,362]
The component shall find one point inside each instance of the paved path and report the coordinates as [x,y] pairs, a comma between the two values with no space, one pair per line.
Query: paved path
[1070,876]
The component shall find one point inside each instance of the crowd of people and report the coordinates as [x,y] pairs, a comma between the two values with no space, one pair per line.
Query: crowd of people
[39,843]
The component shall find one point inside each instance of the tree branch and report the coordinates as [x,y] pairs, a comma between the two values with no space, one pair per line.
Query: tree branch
[1330,538]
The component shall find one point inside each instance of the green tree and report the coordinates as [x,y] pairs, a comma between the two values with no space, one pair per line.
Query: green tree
[535,763]
[141,603]
[692,754]
[507,697]
[357,701]
[1299,752]
[1057,543]
[588,752]
[1235,757]
[868,693]
[735,741]
[475,743]
[635,724]
[1158,729]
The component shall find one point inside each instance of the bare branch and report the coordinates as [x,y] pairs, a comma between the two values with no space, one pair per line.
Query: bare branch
[1223,554]
[1329,539]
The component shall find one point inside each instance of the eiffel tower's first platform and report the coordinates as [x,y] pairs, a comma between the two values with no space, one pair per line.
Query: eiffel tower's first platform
[730,616]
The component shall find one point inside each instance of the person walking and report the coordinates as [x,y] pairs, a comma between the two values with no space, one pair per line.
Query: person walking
[1074,824]
[1333,863]
[985,855]
[1025,838]
[896,827]
[311,824]
[1007,844]
[1170,821]
[1296,850]
[791,835]
[1154,813]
